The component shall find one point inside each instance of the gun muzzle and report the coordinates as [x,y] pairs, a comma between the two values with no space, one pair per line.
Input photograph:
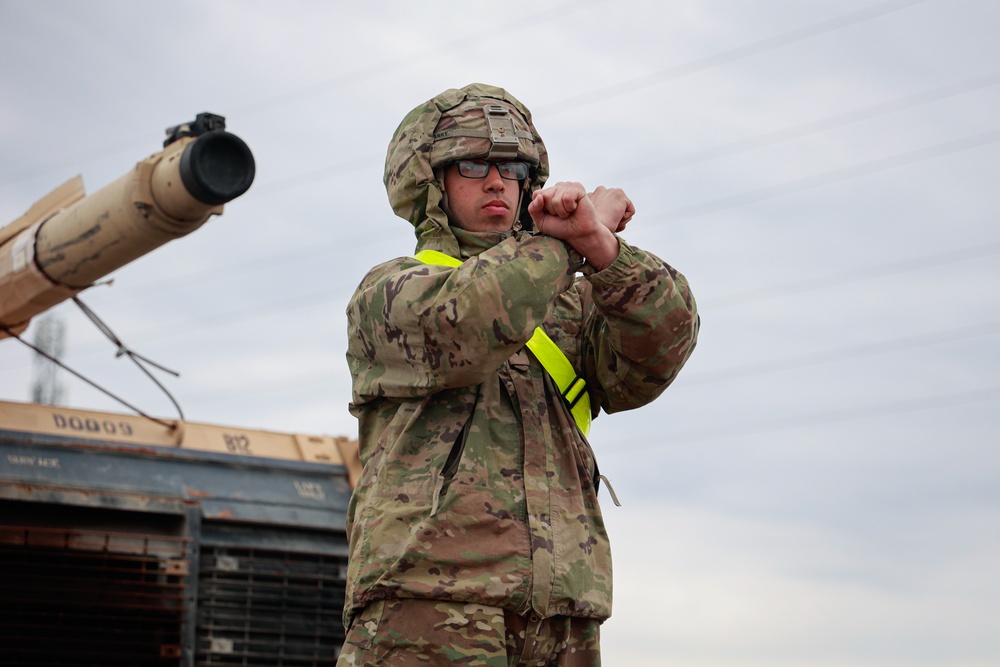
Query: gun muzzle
[216,168]
[166,196]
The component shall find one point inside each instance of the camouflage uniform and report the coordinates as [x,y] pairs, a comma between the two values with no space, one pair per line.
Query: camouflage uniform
[431,632]
[478,488]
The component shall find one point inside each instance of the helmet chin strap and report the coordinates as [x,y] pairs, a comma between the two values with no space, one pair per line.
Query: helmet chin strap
[444,196]
[439,179]
[522,207]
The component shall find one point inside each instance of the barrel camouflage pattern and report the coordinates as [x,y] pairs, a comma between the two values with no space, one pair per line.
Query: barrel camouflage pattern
[477,485]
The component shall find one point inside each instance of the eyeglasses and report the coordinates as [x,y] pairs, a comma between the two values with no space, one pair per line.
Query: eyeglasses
[512,170]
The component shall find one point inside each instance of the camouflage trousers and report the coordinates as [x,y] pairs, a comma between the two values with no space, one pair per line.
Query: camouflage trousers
[405,633]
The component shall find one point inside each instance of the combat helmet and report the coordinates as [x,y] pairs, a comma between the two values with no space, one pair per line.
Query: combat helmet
[476,121]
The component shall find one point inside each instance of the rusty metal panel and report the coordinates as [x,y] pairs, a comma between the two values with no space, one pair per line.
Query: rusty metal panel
[125,553]
[86,586]
[269,607]
[227,487]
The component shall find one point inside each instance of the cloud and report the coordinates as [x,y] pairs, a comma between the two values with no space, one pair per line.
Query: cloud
[706,588]
[829,497]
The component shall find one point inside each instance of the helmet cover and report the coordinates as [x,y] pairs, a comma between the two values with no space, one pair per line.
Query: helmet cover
[454,126]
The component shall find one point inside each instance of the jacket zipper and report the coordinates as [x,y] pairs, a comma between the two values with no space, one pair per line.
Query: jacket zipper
[447,472]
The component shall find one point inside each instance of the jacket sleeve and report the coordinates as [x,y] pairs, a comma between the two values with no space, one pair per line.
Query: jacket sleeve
[415,329]
[640,326]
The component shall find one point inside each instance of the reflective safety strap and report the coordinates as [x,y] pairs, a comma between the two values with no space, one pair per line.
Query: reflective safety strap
[435,257]
[572,386]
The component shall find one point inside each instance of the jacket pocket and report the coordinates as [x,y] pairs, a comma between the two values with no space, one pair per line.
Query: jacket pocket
[450,467]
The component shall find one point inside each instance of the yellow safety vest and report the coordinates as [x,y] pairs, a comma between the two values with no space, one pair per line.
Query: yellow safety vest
[572,386]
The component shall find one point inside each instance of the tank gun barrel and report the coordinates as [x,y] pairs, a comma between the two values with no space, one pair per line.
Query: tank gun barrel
[67,240]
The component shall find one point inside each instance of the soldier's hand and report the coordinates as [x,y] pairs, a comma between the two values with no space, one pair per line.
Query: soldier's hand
[565,211]
[614,208]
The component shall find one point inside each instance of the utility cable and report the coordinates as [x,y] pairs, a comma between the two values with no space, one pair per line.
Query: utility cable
[388,66]
[494,30]
[851,276]
[669,163]
[297,255]
[593,97]
[87,380]
[726,57]
[742,371]
[835,121]
[707,303]
[841,354]
[703,377]
[801,286]
[297,382]
[135,357]
[661,439]
[823,179]
[740,146]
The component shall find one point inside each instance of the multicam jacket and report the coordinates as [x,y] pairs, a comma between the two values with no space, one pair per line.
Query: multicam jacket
[477,484]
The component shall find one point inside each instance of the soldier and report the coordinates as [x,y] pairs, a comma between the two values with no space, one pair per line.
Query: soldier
[475,532]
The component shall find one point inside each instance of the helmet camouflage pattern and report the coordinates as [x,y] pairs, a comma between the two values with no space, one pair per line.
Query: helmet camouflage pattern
[474,122]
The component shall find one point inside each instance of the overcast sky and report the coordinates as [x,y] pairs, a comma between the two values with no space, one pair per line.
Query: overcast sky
[819,487]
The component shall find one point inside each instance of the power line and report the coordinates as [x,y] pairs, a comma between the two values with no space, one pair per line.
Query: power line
[599,95]
[717,303]
[666,164]
[247,313]
[777,136]
[427,54]
[700,156]
[725,374]
[344,244]
[756,195]
[852,276]
[813,419]
[297,382]
[752,196]
[812,358]
[805,129]
[323,173]
[745,370]
[388,66]
[826,178]
[726,57]
[743,145]
[83,157]
[842,354]
[712,303]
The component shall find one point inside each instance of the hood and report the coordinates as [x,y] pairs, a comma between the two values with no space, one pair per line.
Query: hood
[415,193]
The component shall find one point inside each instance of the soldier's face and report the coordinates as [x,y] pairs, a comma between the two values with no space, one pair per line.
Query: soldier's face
[482,204]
